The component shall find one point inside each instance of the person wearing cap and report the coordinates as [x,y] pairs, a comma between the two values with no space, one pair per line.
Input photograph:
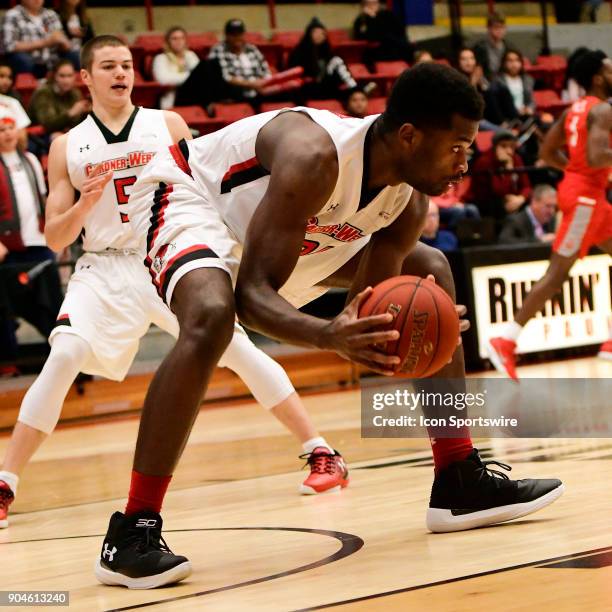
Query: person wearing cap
[243,66]
[22,241]
[497,188]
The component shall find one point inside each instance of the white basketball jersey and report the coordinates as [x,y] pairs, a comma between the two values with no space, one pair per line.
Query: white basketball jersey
[125,154]
[224,163]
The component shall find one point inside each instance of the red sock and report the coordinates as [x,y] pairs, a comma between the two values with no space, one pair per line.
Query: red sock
[146,493]
[448,450]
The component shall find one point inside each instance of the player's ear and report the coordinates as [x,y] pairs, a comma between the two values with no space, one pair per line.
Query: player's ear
[407,134]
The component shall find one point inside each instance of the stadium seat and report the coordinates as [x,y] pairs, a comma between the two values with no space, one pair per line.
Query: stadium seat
[272,106]
[233,112]
[390,69]
[548,100]
[377,105]
[195,117]
[484,140]
[25,84]
[331,105]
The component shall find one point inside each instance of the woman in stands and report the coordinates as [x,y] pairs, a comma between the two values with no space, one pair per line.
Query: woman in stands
[327,73]
[174,65]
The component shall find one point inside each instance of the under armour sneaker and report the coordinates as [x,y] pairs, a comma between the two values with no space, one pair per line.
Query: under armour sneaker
[135,555]
[605,350]
[6,499]
[502,355]
[468,494]
[328,472]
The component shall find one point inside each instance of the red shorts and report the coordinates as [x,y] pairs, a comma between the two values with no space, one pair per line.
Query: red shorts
[587,220]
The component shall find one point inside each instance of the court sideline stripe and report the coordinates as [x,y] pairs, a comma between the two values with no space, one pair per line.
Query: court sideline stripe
[541,562]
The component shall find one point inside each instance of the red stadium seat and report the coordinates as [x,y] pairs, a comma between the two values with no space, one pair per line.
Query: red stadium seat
[255,38]
[272,106]
[287,39]
[25,84]
[331,105]
[195,117]
[377,105]
[337,36]
[548,100]
[390,69]
[233,112]
[350,50]
[484,140]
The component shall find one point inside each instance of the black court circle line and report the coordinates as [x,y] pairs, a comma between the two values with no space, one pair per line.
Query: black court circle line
[417,587]
[350,544]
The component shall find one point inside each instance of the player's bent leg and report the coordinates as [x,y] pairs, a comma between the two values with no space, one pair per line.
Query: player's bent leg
[502,349]
[134,554]
[271,387]
[40,411]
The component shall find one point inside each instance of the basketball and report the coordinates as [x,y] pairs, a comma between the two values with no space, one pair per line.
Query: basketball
[425,316]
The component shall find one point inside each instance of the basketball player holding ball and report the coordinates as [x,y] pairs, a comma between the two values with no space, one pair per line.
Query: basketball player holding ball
[281,206]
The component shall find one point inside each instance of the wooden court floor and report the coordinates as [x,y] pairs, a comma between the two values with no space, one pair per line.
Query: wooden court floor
[255,544]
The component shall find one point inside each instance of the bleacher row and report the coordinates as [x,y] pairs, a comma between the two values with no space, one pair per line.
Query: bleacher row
[548,71]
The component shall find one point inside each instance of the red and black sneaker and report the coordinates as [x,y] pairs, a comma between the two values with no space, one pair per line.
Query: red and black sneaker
[6,499]
[328,472]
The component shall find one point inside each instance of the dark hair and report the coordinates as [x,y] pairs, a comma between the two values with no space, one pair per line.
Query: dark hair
[508,52]
[80,10]
[587,66]
[428,96]
[89,48]
[571,62]
[307,54]
[4,63]
[61,62]
[172,30]
[495,19]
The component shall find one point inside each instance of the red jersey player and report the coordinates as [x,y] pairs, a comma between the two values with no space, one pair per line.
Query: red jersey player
[583,131]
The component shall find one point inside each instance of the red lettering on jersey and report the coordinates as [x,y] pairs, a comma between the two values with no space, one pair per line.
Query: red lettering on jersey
[348,233]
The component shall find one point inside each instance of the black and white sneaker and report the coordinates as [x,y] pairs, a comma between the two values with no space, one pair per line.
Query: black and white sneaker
[467,494]
[135,555]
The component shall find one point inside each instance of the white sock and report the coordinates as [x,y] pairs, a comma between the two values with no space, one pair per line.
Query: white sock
[512,331]
[12,480]
[313,443]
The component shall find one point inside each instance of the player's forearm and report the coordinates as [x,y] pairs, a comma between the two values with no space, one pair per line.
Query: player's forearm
[63,229]
[266,312]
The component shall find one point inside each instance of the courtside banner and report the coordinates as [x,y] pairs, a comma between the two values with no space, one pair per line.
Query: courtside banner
[489,407]
[578,315]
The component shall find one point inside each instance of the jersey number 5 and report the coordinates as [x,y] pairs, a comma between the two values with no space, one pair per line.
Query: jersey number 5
[122,195]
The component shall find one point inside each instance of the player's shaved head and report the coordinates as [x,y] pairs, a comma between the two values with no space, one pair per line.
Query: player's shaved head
[428,96]
[90,47]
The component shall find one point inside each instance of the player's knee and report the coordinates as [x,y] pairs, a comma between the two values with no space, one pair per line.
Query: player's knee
[209,324]
[68,355]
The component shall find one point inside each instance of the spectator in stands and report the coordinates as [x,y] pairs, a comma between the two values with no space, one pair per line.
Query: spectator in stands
[58,105]
[433,236]
[33,38]
[497,188]
[356,104]
[490,51]
[510,96]
[376,24]
[12,106]
[22,193]
[535,222]
[453,208]
[468,65]
[174,65]
[7,80]
[422,56]
[76,23]
[327,73]
[243,67]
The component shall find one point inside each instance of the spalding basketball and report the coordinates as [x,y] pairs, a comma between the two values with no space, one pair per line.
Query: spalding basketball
[425,316]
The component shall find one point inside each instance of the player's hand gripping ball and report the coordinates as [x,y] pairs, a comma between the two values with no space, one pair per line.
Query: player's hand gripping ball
[426,319]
